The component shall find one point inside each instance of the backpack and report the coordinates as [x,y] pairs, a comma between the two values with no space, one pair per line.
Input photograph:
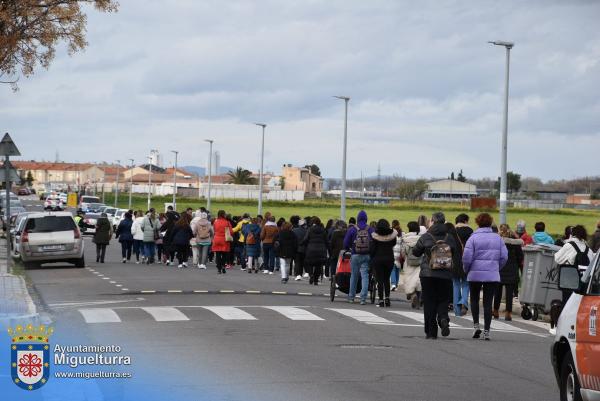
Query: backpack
[441,255]
[250,238]
[582,258]
[362,241]
[412,260]
[203,231]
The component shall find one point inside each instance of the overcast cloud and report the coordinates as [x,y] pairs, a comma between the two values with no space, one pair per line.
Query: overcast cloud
[426,88]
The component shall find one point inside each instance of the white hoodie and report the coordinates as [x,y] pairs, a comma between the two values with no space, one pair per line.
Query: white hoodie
[567,254]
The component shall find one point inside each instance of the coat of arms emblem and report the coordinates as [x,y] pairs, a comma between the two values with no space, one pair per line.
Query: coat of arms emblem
[30,356]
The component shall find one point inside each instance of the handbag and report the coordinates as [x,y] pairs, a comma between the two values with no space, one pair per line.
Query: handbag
[228,236]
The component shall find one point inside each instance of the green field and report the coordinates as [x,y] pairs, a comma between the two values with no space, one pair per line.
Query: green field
[402,211]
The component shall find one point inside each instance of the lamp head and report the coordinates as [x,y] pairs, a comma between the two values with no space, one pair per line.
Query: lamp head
[346,98]
[508,45]
[261,124]
[208,140]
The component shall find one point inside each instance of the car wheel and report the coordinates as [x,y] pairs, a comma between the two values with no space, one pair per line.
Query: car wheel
[80,262]
[570,389]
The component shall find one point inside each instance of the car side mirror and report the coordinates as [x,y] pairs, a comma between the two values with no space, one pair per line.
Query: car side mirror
[568,278]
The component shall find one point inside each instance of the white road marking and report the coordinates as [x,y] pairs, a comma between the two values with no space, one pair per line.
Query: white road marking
[496,325]
[416,316]
[165,314]
[361,315]
[229,313]
[100,315]
[90,303]
[294,313]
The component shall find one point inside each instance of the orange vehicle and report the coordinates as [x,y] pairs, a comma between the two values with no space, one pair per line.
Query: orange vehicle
[575,353]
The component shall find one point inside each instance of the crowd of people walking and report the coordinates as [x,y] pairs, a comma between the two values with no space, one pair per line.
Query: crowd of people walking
[445,266]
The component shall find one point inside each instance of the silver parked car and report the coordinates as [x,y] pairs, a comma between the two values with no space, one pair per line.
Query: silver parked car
[50,237]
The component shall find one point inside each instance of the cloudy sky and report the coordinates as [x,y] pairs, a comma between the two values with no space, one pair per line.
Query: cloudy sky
[426,88]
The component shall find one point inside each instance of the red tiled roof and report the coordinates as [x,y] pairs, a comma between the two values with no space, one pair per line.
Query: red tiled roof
[32,165]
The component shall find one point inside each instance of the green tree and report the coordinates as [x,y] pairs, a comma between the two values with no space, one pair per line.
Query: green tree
[240,176]
[411,190]
[29,180]
[513,182]
[461,177]
[452,176]
[282,182]
[314,169]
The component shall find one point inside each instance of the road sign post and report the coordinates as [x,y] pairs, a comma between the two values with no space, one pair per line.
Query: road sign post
[7,149]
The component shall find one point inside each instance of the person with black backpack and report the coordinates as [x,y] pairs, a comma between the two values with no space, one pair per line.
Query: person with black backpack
[575,253]
[358,240]
[437,248]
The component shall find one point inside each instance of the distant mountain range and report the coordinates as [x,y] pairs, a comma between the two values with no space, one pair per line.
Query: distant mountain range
[201,171]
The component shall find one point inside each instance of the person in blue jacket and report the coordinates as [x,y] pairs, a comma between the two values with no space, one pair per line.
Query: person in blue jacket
[541,236]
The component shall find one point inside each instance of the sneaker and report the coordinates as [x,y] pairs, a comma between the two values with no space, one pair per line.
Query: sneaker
[203,267]
[137,262]
[463,310]
[445,326]
[184,264]
[477,331]
[124,260]
[224,271]
[387,302]
[265,271]
[243,269]
[250,271]
[284,280]
[298,278]
[159,262]
[271,273]
[350,300]
[168,263]
[305,275]
[393,288]
[486,335]
[180,266]
[414,302]
[552,331]
[363,302]
[380,304]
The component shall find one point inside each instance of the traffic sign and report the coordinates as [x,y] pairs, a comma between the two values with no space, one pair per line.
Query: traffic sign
[8,147]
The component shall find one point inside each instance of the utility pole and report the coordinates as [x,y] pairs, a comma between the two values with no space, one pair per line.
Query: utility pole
[262,160]
[346,99]
[117,181]
[210,143]
[130,182]
[175,181]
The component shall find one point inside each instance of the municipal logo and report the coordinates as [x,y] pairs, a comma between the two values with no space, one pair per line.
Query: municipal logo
[30,356]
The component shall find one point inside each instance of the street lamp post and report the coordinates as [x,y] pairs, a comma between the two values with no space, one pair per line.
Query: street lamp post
[117,181]
[210,143]
[175,181]
[346,99]
[503,176]
[149,180]
[130,183]
[262,160]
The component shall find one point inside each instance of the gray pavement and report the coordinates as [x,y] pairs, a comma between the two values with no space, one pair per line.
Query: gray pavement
[214,335]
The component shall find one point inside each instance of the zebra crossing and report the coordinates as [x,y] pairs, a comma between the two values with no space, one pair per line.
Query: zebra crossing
[96,315]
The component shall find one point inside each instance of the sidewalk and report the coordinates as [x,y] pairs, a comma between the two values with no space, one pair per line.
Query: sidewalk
[15,301]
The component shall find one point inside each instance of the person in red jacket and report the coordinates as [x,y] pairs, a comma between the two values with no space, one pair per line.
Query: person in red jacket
[222,240]
[522,233]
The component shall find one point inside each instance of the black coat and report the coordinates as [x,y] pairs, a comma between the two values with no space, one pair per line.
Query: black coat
[336,244]
[423,248]
[288,244]
[182,235]
[509,274]
[381,250]
[300,233]
[316,244]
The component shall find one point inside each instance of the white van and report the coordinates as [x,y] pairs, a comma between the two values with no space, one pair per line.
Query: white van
[575,353]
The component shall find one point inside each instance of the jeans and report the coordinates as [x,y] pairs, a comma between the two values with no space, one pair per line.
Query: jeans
[436,294]
[284,263]
[360,265]
[149,250]
[240,255]
[100,252]
[268,257]
[138,247]
[460,294]
[203,253]
[126,249]
[395,275]
[488,297]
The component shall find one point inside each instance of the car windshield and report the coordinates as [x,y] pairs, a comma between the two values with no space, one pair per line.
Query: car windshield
[16,203]
[110,210]
[95,205]
[119,213]
[90,199]
[49,224]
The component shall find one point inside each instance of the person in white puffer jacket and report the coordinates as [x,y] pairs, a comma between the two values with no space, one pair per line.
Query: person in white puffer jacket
[138,235]
[412,265]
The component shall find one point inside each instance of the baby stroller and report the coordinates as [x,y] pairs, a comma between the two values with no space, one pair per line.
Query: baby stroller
[340,279]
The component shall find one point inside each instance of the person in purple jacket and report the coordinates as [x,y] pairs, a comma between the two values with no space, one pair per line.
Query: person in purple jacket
[358,240]
[485,254]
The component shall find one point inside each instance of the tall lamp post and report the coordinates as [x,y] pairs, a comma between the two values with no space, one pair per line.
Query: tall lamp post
[210,143]
[346,99]
[175,181]
[130,183]
[149,180]
[117,182]
[262,160]
[503,177]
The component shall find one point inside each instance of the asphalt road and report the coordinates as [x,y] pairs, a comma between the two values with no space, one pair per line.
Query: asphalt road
[194,334]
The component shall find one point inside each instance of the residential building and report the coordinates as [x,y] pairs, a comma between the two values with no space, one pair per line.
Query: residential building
[301,179]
